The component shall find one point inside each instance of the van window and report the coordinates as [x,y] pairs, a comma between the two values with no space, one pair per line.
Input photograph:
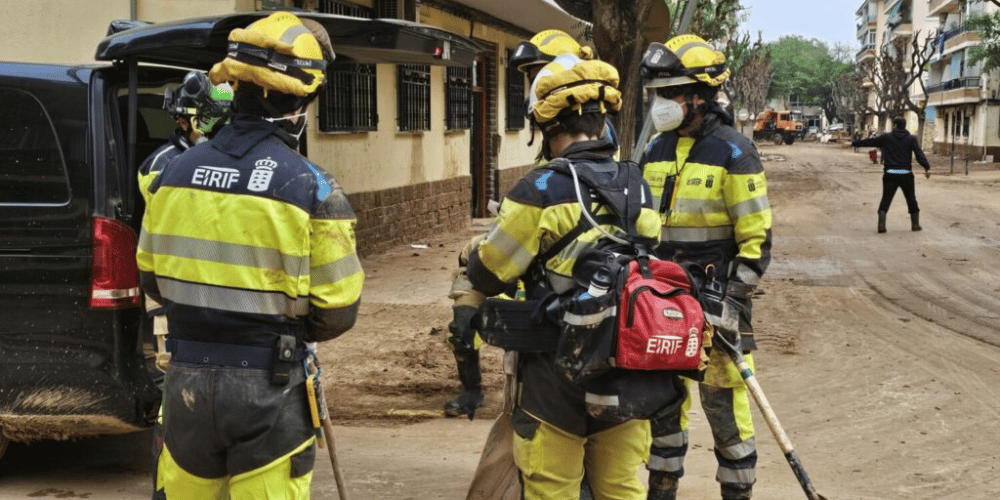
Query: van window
[31,165]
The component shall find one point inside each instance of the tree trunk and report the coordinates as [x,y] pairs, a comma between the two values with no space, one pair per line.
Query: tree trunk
[619,42]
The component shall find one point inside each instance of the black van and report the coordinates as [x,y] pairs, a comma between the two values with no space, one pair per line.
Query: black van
[71,138]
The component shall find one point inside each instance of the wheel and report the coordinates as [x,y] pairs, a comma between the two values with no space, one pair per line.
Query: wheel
[789,139]
[776,139]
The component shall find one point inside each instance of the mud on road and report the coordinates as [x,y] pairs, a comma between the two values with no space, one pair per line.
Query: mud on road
[878,352]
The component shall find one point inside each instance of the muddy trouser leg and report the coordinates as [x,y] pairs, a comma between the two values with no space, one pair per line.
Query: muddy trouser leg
[727,410]
[669,445]
[552,462]
[230,433]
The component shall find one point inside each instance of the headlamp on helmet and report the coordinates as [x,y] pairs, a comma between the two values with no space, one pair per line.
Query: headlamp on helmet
[543,49]
[683,60]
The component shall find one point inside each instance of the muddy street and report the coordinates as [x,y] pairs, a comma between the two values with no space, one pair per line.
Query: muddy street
[880,354]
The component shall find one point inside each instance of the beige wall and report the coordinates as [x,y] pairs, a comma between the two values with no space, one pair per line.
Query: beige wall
[165,10]
[386,158]
[68,31]
[57,31]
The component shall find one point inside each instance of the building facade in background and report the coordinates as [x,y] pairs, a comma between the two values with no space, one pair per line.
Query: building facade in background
[419,149]
[962,106]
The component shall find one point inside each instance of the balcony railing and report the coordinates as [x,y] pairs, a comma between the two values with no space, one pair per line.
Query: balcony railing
[952,33]
[957,83]
[870,46]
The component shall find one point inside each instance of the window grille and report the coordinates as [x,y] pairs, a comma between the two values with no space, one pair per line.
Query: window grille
[345,8]
[347,102]
[414,91]
[458,88]
[515,97]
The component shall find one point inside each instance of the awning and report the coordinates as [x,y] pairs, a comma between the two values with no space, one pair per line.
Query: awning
[199,43]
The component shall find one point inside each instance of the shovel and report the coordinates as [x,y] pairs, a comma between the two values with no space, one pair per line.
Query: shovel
[772,420]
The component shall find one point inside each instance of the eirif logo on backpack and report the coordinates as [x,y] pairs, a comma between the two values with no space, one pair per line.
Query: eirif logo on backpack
[670,344]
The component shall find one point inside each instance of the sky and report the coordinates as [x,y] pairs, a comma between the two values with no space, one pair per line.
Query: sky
[827,20]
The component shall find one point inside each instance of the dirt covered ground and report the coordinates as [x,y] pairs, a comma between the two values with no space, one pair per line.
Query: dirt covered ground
[878,352]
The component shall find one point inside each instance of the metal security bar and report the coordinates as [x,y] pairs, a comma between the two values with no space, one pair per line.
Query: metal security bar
[458,88]
[347,102]
[345,8]
[414,96]
[515,97]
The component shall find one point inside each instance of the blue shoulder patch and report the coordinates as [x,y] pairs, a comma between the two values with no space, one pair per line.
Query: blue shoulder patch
[542,182]
[323,188]
[737,152]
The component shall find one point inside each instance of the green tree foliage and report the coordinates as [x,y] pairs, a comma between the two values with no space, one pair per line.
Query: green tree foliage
[807,68]
[988,25]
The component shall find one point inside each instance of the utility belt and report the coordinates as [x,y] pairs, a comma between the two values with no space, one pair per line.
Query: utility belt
[518,325]
[279,360]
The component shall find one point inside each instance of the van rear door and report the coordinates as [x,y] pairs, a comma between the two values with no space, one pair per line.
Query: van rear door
[45,206]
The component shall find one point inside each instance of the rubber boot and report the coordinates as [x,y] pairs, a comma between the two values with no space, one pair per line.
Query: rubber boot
[915,222]
[471,396]
[730,492]
[662,486]
[881,220]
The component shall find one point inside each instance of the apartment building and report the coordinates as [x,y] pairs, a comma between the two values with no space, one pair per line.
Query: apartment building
[419,148]
[964,100]
[962,106]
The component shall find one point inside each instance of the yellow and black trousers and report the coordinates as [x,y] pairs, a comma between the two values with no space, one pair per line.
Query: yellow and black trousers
[231,433]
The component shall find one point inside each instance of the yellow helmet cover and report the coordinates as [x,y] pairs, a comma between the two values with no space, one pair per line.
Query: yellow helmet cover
[277,52]
[683,60]
[569,83]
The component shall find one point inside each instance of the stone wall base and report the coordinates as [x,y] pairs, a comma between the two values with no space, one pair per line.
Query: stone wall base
[975,152]
[411,214]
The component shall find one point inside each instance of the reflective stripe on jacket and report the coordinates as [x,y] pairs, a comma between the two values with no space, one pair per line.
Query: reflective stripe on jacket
[534,216]
[243,231]
[718,210]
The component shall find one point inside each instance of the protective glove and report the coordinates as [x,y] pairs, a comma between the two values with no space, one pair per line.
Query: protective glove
[463,332]
[661,486]
[724,312]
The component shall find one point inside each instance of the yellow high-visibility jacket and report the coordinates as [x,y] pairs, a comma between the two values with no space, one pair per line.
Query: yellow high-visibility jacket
[537,213]
[243,238]
[711,193]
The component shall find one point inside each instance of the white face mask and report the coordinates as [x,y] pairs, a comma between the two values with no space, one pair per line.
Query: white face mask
[301,125]
[667,114]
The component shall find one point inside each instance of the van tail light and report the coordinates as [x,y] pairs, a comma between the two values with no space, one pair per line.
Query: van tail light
[114,281]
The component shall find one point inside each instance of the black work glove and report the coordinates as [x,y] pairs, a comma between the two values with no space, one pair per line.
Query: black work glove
[463,331]
[724,312]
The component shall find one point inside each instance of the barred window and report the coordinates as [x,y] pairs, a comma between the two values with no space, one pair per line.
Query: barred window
[345,8]
[515,97]
[414,97]
[458,88]
[347,102]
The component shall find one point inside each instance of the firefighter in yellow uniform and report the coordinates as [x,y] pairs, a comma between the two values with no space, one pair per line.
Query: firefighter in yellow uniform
[555,440]
[251,249]
[709,187]
[528,58]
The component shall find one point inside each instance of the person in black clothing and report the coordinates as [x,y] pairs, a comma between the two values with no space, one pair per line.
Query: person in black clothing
[898,148]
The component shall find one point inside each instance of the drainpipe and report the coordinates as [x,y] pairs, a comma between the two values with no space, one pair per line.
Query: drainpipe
[133,7]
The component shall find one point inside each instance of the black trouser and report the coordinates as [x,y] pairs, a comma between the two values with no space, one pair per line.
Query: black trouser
[902,181]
